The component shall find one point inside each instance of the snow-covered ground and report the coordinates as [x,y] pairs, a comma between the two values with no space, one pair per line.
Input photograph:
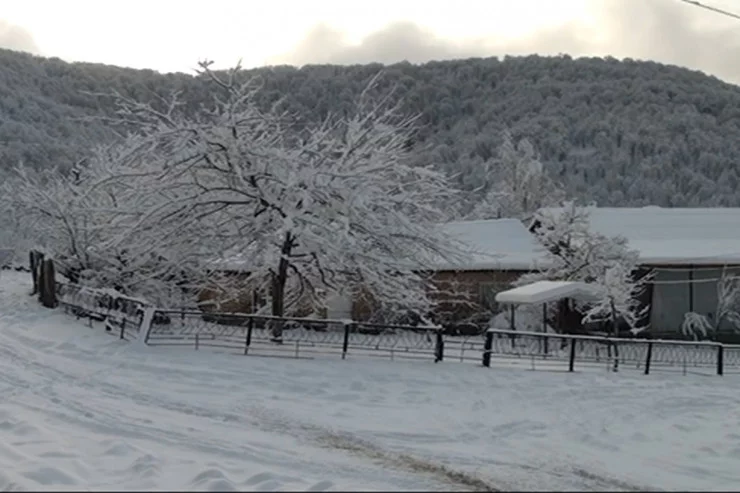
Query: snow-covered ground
[81,409]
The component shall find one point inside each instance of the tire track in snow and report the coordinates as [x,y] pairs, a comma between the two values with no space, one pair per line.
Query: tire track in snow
[368,450]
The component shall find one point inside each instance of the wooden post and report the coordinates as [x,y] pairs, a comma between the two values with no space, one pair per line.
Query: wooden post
[47,285]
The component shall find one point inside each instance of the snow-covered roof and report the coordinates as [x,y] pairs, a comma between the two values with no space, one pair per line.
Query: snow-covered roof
[699,236]
[495,244]
[545,291]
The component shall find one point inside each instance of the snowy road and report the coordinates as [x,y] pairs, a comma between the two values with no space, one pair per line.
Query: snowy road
[80,409]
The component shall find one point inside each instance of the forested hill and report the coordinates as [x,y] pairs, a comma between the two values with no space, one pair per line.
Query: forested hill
[617,132]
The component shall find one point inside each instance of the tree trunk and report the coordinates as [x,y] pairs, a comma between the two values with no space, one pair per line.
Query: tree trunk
[279,280]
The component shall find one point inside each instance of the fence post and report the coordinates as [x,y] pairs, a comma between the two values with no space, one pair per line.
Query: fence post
[123,328]
[439,349]
[572,358]
[248,342]
[616,356]
[487,347]
[197,341]
[345,343]
[648,357]
[720,359]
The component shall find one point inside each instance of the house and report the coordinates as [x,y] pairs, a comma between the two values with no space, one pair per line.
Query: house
[497,252]
[686,248]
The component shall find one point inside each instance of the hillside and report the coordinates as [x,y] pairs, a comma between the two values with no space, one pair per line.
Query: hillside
[617,132]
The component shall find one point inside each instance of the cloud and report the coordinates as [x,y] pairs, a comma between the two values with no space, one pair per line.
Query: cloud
[662,30]
[395,42]
[16,38]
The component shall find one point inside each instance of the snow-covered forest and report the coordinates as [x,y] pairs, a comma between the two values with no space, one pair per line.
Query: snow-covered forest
[596,124]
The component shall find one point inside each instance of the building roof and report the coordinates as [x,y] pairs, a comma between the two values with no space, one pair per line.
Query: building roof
[681,236]
[495,244]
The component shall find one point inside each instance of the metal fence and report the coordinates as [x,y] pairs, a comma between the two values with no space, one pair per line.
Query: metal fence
[304,338]
[571,352]
[256,335]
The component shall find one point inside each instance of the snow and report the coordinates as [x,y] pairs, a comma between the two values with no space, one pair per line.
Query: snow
[699,236]
[545,291]
[83,410]
[500,244]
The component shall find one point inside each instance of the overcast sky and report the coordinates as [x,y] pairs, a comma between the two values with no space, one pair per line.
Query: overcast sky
[172,36]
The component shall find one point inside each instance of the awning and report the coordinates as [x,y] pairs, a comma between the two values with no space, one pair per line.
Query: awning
[546,291]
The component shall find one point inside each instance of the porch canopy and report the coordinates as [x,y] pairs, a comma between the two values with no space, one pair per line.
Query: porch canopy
[545,292]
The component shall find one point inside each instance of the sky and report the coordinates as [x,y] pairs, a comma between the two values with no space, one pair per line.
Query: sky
[171,36]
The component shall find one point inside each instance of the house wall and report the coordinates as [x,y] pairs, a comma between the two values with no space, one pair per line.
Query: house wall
[671,301]
[459,294]
[238,300]
[241,298]
[464,295]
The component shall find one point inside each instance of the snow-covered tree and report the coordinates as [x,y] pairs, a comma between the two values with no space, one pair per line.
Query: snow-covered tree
[576,253]
[517,183]
[309,209]
[728,309]
[89,221]
[617,292]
